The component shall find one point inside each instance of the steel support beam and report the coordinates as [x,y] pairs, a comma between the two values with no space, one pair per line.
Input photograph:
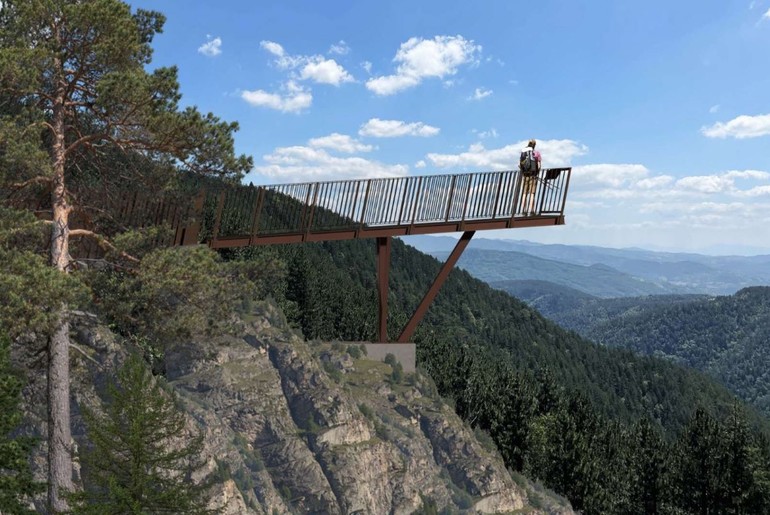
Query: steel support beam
[419,313]
[383,269]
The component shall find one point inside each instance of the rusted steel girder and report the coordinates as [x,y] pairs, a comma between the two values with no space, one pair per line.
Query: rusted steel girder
[383,269]
[422,308]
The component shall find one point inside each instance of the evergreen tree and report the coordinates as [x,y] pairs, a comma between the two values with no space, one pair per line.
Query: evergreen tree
[138,461]
[699,467]
[74,81]
[648,466]
[16,482]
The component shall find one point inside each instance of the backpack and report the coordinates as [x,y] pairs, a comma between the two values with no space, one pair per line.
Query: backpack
[528,163]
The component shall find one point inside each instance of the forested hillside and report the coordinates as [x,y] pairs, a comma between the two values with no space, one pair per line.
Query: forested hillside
[726,337]
[85,122]
[587,420]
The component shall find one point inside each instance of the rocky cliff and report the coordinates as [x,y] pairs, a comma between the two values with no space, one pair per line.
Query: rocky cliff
[307,427]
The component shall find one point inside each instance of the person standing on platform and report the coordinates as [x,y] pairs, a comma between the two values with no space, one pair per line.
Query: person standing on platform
[529,166]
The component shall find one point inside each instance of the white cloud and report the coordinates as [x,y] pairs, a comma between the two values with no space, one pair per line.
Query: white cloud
[295,99]
[419,59]
[766,16]
[394,128]
[340,48]
[420,164]
[273,47]
[713,109]
[366,65]
[300,163]
[610,174]
[480,93]
[555,153]
[325,71]
[748,174]
[211,48]
[340,143]
[653,183]
[755,191]
[705,183]
[314,67]
[491,133]
[743,126]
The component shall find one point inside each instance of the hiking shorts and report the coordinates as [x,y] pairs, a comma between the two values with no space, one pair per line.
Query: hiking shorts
[529,185]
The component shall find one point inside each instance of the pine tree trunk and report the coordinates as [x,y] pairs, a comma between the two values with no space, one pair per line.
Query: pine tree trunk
[59,434]
[59,431]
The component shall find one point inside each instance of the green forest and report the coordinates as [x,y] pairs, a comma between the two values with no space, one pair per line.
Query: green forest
[83,123]
[724,336]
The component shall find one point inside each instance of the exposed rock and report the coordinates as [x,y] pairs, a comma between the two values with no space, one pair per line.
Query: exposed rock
[303,428]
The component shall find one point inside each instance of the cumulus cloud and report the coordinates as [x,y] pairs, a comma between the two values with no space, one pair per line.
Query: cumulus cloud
[367,66]
[743,126]
[420,164]
[766,16]
[303,163]
[283,60]
[294,99]
[314,67]
[610,174]
[340,143]
[419,59]
[211,48]
[394,128]
[705,183]
[555,153]
[325,71]
[480,93]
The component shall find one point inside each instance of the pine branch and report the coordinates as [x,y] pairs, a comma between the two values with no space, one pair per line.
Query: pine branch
[103,243]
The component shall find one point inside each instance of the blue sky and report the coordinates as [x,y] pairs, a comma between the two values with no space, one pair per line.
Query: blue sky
[662,108]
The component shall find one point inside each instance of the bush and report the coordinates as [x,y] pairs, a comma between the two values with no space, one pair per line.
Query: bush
[354,351]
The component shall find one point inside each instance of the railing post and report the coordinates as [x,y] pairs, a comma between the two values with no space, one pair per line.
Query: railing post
[564,193]
[192,231]
[451,196]
[516,194]
[497,195]
[218,217]
[257,215]
[312,212]
[383,268]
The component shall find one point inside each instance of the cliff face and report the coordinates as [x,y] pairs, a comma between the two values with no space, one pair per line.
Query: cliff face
[296,427]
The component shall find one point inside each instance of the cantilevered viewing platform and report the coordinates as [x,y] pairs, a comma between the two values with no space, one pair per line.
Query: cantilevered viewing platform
[222,216]
[374,208]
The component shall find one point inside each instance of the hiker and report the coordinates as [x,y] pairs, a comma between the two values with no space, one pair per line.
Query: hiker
[529,165]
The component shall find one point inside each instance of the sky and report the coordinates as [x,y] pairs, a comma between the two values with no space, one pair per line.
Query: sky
[662,108]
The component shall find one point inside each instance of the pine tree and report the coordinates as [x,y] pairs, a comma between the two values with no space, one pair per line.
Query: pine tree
[138,461]
[648,465]
[16,482]
[74,84]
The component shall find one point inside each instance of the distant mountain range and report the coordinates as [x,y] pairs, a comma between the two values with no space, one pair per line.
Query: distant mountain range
[602,272]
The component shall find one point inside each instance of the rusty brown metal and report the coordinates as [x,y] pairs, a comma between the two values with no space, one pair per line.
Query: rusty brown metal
[218,216]
[383,271]
[422,308]
[191,232]
[239,216]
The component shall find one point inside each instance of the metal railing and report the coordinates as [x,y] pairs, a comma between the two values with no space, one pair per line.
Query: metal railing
[348,205]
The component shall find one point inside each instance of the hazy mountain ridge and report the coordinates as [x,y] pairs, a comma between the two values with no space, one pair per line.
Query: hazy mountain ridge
[672,272]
